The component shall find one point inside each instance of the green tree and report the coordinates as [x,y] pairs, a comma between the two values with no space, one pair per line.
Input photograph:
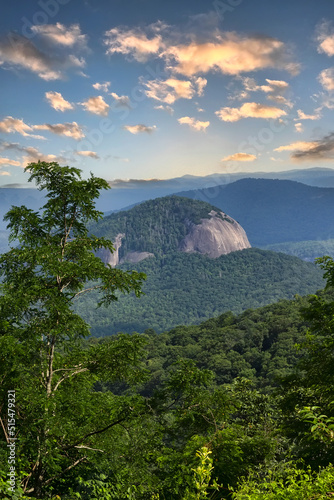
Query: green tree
[61,421]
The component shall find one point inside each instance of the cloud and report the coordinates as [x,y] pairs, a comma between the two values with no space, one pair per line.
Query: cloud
[10,125]
[299,127]
[196,50]
[239,157]
[135,42]
[304,116]
[193,123]
[59,34]
[230,54]
[325,38]
[72,130]
[7,161]
[90,154]
[249,110]
[17,51]
[4,172]
[326,78]
[57,101]
[96,105]
[169,109]
[137,129]
[104,87]
[30,154]
[274,89]
[121,100]
[322,149]
[170,90]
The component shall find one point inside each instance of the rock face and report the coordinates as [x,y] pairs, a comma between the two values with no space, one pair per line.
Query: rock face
[135,257]
[216,236]
[111,258]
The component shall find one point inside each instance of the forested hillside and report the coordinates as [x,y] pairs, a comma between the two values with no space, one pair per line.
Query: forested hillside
[187,289]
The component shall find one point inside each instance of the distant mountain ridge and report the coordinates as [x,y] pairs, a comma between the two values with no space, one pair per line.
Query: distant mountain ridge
[274,211]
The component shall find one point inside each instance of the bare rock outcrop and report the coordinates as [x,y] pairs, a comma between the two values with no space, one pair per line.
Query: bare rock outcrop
[216,236]
[111,258]
[135,257]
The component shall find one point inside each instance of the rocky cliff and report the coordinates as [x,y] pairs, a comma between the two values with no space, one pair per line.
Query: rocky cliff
[169,225]
[218,235]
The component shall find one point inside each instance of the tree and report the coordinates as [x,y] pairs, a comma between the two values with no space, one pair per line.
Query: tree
[41,354]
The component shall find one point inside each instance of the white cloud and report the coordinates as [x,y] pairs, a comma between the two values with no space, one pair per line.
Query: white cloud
[298,145]
[193,123]
[57,101]
[104,87]
[61,35]
[72,130]
[11,125]
[170,90]
[121,100]
[249,110]
[239,157]
[17,51]
[299,127]
[137,129]
[134,42]
[169,109]
[90,154]
[304,116]
[7,161]
[325,38]
[230,54]
[326,78]
[96,105]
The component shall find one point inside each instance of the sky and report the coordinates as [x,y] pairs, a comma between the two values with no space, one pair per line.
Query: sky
[145,89]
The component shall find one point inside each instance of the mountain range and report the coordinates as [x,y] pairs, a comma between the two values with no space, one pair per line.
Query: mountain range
[187,283]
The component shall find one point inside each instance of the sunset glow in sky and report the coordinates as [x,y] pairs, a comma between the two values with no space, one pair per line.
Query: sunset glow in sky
[141,89]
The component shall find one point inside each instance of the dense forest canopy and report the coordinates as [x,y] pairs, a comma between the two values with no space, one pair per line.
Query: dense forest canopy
[229,408]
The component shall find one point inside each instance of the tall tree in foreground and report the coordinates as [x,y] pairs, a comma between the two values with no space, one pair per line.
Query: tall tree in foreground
[61,422]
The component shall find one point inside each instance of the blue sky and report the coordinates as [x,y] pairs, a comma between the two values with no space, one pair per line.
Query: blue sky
[143,89]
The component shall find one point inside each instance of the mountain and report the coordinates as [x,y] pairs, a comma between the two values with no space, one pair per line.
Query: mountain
[157,227]
[187,287]
[274,211]
[125,193]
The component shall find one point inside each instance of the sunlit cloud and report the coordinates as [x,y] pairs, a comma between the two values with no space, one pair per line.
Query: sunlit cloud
[61,35]
[299,127]
[249,110]
[138,129]
[17,51]
[4,172]
[104,87]
[298,146]
[325,38]
[304,116]
[326,78]
[121,100]
[167,108]
[230,54]
[322,149]
[134,42]
[96,105]
[57,102]
[90,154]
[8,162]
[239,157]
[170,90]
[72,130]
[193,123]
[11,125]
